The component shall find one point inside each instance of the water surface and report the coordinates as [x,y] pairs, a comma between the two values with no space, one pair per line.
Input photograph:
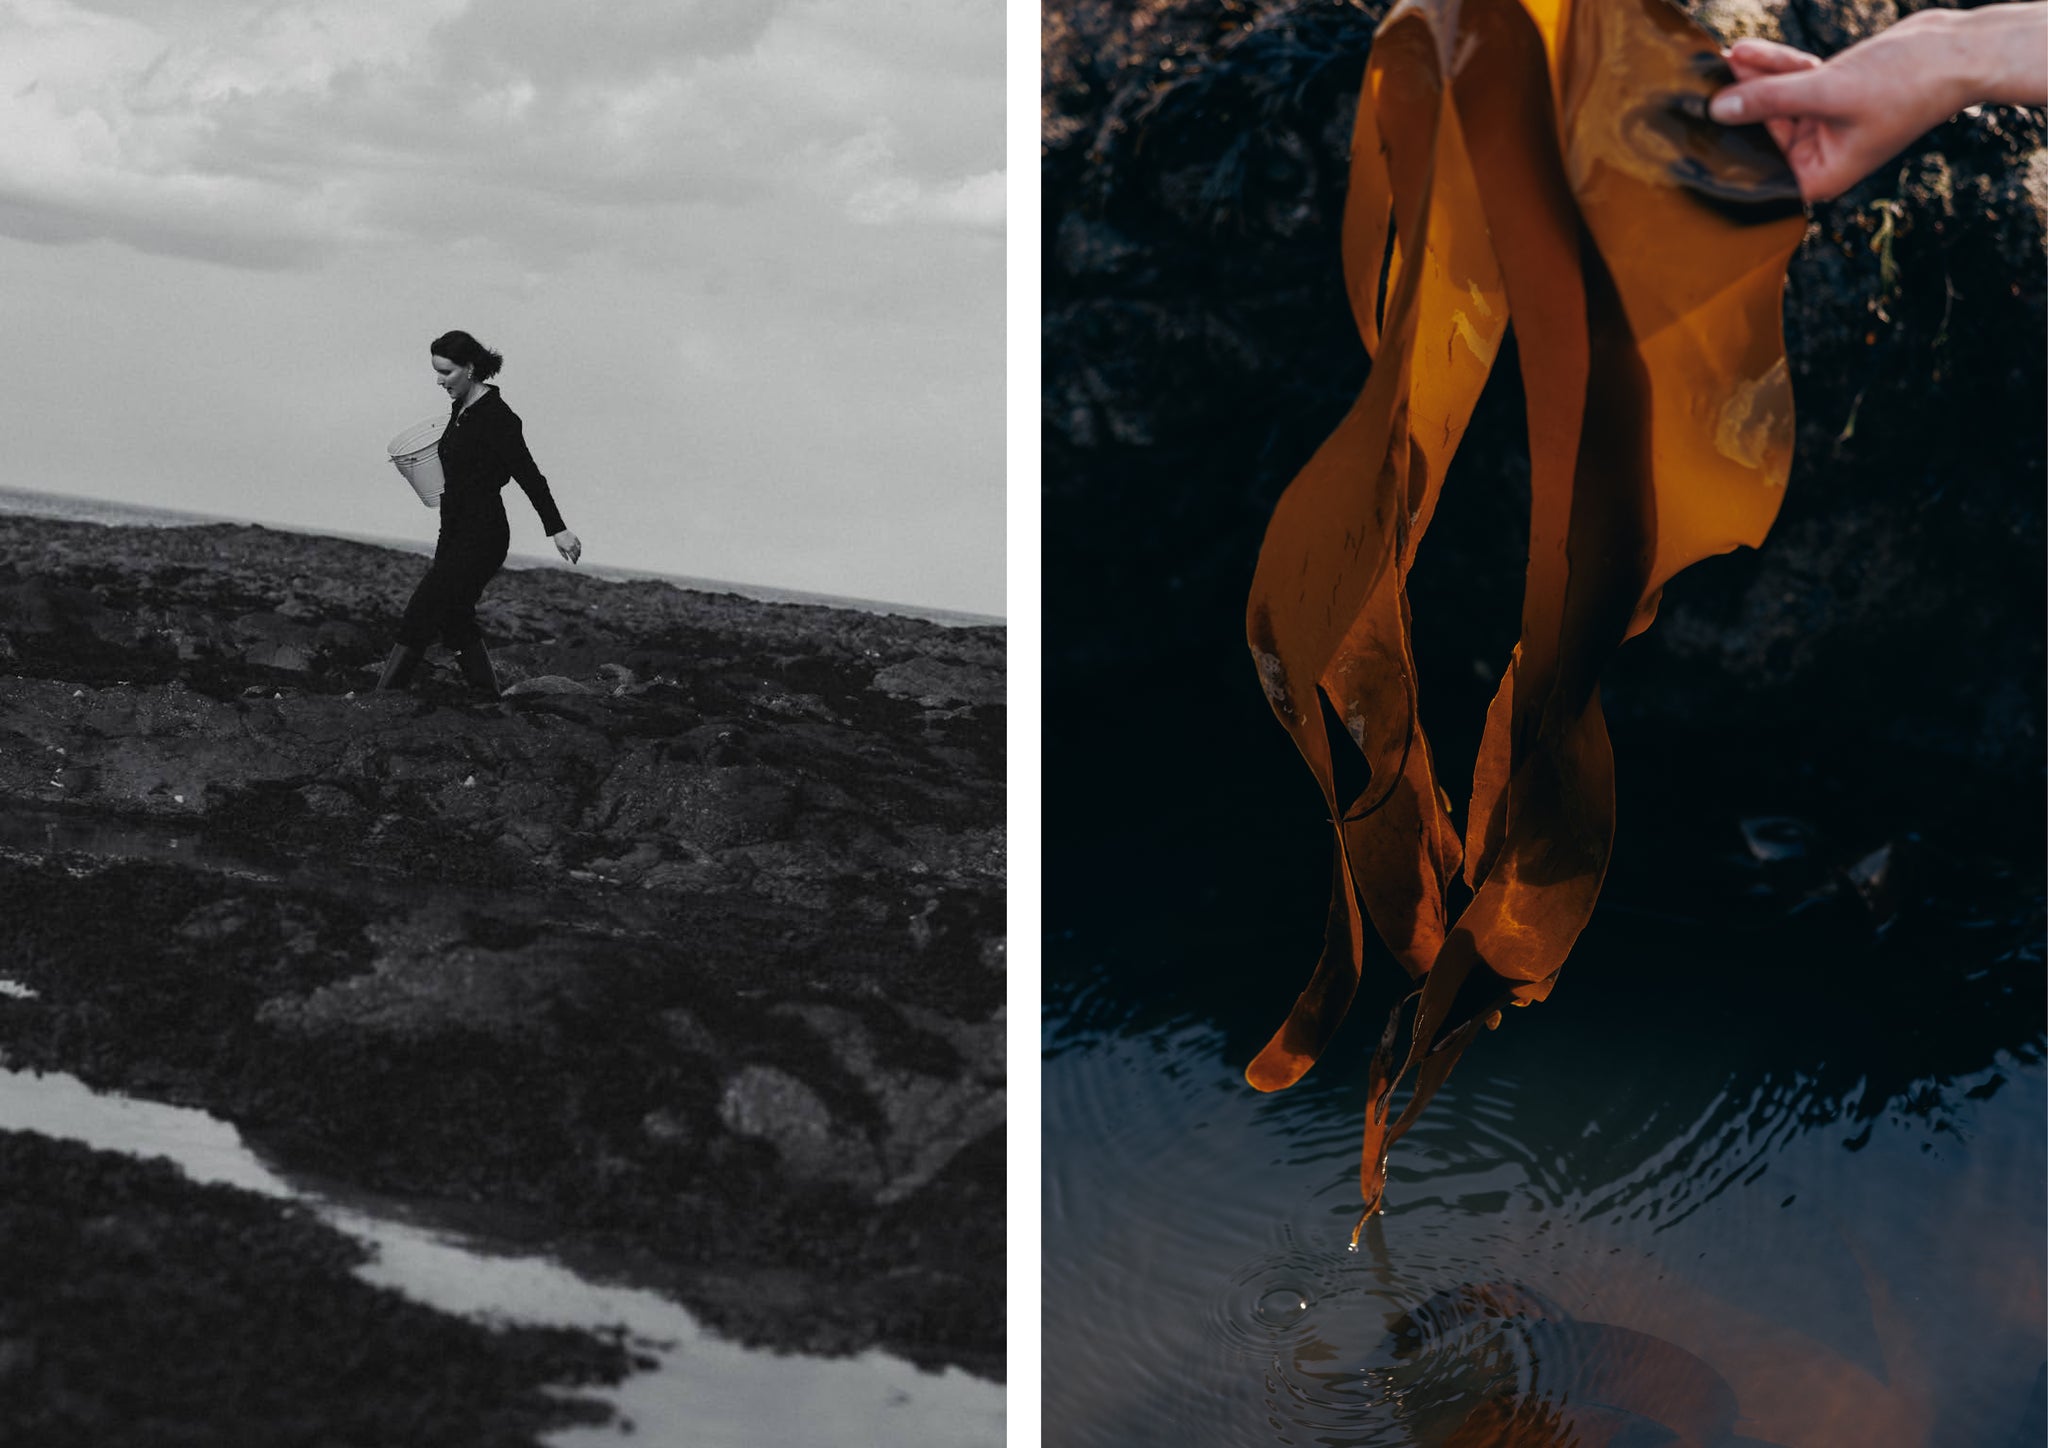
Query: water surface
[1694,1197]
[703,1390]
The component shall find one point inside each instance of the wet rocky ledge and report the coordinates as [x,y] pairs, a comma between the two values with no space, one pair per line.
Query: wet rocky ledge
[144,1309]
[682,962]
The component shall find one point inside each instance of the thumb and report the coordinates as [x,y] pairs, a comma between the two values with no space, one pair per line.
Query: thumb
[1770,97]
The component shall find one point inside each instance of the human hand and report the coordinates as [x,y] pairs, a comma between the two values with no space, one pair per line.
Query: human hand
[568,545]
[1840,119]
[1836,120]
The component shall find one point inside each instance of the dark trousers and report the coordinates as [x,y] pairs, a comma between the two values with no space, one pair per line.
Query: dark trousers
[468,554]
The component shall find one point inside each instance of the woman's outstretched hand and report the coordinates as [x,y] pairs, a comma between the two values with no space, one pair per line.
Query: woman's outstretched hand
[1840,119]
[568,545]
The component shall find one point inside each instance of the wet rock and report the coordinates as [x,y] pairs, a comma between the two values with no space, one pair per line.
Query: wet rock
[37,607]
[629,868]
[327,801]
[17,1355]
[804,874]
[797,706]
[980,1044]
[699,874]
[714,808]
[291,656]
[175,1312]
[934,683]
[928,1119]
[215,922]
[766,1104]
[687,1033]
[667,1129]
[525,955]
[275,641]
[341,636]
[547,684]
[500,993]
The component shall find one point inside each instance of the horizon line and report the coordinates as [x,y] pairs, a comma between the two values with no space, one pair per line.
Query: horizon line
[946,617]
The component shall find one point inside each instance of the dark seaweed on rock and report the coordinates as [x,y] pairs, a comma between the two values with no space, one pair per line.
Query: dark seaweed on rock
[1500,169]
[169,1313]
[686,955]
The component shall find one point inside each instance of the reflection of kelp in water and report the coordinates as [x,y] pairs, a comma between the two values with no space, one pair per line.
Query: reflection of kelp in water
[1649,1357]
[1547,160]
[1532,1375]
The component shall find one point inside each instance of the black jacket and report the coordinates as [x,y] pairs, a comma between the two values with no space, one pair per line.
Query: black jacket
[483,448]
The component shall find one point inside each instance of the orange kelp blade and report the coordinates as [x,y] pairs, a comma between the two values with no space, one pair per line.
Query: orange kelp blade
[1327,614]
[1574,184]
[1565,783]
[1683,236]
[1403,848]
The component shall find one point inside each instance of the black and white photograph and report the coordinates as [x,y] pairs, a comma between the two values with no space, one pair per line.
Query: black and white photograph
[503,723]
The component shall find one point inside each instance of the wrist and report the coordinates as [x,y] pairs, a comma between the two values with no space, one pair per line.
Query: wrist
[1995,54]
[1943,49]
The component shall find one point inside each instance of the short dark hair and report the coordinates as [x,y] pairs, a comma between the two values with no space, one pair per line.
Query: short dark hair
[465,351]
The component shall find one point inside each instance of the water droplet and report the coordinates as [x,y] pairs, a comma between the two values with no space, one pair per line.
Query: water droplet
[1282,1307]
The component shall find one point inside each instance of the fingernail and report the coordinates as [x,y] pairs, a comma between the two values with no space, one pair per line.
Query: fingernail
[1725,108]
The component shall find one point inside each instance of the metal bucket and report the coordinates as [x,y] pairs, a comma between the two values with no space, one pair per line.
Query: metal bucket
[416,453]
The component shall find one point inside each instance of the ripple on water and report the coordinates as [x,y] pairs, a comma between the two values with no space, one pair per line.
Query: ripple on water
[1269,1303]
[1626,1264]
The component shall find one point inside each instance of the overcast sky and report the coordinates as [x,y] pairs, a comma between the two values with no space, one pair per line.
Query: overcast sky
[744,259]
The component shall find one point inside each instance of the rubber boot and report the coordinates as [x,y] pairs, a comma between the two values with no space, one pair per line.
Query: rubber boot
[398,669]
[475,661]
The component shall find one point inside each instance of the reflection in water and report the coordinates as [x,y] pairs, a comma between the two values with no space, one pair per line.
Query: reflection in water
[703,1391]
[1675,1247]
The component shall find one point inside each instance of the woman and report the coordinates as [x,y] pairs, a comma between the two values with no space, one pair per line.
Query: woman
[483,447]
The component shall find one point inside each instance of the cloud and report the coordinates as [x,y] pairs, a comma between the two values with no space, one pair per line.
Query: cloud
[976,202]
[273,134]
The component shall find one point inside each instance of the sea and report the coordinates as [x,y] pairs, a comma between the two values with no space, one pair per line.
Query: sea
[95,510]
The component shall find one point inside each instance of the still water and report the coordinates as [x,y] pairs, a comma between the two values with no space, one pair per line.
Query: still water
[1674,1204]
[702,1390]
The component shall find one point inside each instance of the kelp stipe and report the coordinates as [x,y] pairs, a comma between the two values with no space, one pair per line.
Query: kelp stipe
[1548,161]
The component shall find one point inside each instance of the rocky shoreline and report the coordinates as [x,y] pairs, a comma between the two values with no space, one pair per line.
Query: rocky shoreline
[685,958]
[1198,348]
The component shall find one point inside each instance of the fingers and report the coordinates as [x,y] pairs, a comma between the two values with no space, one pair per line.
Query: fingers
[1806,92]
[1826,181]
[1783,132]
[1749,58]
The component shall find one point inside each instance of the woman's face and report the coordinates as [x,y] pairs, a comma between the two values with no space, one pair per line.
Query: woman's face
[455,379]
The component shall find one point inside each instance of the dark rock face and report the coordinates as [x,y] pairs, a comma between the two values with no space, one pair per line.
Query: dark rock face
[166,1312]
[687,953]
[1198,347]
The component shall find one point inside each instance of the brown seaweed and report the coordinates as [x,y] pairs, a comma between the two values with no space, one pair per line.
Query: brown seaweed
[1547,161]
